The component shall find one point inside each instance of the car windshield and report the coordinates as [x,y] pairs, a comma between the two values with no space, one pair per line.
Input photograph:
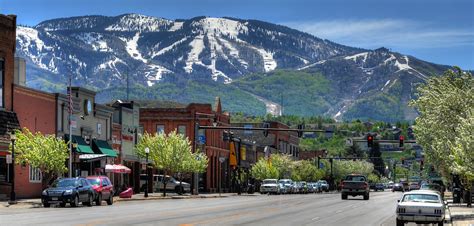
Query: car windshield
[94,181]
[355,178]
[269,181]
[65,183]
[421,198]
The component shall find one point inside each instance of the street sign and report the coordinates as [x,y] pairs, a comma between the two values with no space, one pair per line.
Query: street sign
[202,139]
[248,131]
[9,159]
[321,165]
[349,142]
[221,159]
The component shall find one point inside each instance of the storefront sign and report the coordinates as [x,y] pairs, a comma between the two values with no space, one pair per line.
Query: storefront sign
[9,159]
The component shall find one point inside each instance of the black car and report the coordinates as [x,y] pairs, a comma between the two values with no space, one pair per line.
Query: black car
[68,190]
[379,187]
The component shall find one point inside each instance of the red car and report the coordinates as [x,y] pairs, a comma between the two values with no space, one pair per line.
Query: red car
[103,188]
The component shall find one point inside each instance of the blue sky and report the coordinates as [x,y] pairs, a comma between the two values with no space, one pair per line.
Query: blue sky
[439,31]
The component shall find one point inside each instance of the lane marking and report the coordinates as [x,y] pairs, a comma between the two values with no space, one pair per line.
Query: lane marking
[316,218]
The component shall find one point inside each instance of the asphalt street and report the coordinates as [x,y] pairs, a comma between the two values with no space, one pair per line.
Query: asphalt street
[310,209]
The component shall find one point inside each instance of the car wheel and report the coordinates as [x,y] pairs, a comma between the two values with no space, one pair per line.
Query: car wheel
[343,196]
[400,223]
[366,197]
[89,202]
[441,223]
[75,201]
[63,204]
[110,201]
[178,190]
[98,201]
[46,205]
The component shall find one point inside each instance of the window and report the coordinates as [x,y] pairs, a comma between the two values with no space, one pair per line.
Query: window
[2,62]
[160,129]
[35,175]
[99,128]
[182,129]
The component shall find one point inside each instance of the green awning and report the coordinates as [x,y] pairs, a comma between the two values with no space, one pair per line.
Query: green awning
[82,146]
[105,148]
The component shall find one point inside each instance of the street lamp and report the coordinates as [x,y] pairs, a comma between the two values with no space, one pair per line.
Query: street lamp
[147,151]
[12,193]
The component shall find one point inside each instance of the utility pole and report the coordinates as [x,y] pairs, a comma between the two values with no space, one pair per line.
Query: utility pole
[70,125]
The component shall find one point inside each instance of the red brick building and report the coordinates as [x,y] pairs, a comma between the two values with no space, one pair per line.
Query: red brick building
[28,180]
[165,118]
[8,119]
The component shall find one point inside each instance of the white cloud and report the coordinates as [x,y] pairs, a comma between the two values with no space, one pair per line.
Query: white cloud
[386,32]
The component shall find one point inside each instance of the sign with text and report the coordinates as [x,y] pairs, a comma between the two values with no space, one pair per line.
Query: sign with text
[9,159]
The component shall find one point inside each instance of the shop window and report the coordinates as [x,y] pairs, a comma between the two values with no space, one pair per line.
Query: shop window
[4,169]
[35,175]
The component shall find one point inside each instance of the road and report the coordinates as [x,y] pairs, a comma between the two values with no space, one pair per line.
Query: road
[310,209]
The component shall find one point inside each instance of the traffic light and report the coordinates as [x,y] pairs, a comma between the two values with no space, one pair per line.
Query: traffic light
[370,140]
[401,139]
[266,125]
[300,130]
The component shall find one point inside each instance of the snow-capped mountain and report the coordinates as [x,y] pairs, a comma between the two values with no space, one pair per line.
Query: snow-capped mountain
[98,49]
[103,52]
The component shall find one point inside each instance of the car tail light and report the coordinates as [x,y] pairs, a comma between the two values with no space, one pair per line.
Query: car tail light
[401,210]
[365,185]
[437,211]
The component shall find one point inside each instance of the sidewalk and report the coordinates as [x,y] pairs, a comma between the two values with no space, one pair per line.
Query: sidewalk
[460,214]
[36,203]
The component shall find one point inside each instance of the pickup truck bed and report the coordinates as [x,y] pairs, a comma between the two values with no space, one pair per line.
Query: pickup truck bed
[355,185]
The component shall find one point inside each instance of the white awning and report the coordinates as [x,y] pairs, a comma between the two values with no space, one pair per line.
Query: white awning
[91,156]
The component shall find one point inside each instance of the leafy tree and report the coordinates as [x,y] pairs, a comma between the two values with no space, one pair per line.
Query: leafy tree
[264,170]
[306,171]
[45,152]
[354,151]
[373,178]
[444,127]
[283,164]
[171,153]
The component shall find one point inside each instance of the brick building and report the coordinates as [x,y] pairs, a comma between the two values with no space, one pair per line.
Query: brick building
[8,119]
[164,117]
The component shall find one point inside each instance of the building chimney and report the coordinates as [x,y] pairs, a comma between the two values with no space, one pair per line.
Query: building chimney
[19,77]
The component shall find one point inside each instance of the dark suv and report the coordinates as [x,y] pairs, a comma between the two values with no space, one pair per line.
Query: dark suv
[68,190]
[103,188]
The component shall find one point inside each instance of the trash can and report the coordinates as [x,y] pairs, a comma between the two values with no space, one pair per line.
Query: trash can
[457,194]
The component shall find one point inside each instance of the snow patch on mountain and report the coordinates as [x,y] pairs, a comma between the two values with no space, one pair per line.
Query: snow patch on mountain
[154,73]
[221,26]
[111,64]
[356,56]
[95,40]
[140,23]
[269,64]
[31,45]
[311,65]
[197,46]
[132,49]
[176,26]
[168,48]
[234,52]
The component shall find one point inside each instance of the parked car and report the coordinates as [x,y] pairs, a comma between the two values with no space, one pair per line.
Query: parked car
[68,190]
[414,186]
[355,184]
[295,187]
[171,184]
[421,207]
[310,187]
[406,186]
[270,186]
[324,185]
[318,188]
[433,187]
[398,187]
[379,187]
[287,185]
[103,188]
[303,189]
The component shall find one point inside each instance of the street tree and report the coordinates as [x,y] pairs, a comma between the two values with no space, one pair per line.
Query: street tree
[263,169]
[305,170]
[172,154]
[45,152]
[354,151]
[445,124]
[283,164]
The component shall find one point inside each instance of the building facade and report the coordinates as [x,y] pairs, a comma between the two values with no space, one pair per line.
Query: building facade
[8,118]
[183,119]
[91,125]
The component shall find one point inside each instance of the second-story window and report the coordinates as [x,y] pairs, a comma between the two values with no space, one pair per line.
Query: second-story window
[2,62]
[182,129]
[160,129]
